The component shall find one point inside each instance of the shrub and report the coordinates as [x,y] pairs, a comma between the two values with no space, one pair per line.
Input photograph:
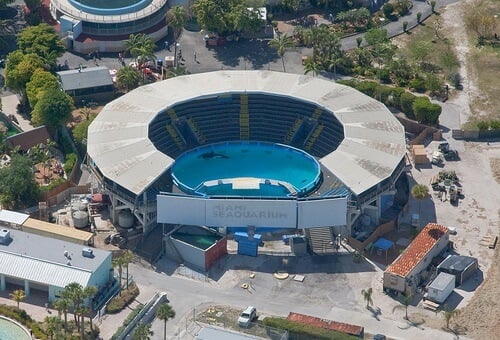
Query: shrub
[483,125]
[425,111]
[382,93]
[495,124]
[432,83]
[405,26]
[69,163]
[305,331]
[417,84]
[385,76]
[388,8]
[127,321]
[419,17]
[367,87]
[455,80]
[406,104]
[121,301]
[396,96]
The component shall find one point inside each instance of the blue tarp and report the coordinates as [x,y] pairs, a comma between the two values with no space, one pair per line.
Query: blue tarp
[383,244]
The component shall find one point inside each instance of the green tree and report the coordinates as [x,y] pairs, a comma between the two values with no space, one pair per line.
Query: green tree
[18,296]
[33,5]
[20,68]
[449,314]
[52,109]
[51,325]
[420,50]
[143,331]
[127,257]
[425,111]
[74,293]
[419,192]
[226,16]
[165,312]
[88,293]
[80,131]
[128,78]
[177,18]
[119,263]
[41,40]
[405,302]
[63,305]
[367,296]
[280,44]
[140,46]
[311,65]
[380,46]
[40,81]
[18,187]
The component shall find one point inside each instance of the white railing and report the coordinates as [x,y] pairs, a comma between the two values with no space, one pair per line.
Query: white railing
[66,8]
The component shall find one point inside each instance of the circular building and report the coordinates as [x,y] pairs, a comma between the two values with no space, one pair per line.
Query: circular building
[248,148]
[95,25]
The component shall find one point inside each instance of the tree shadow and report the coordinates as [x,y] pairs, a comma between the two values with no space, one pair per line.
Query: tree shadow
[376,312]
[413,323]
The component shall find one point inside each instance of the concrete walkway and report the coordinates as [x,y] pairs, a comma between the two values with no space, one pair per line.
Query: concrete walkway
[9,107]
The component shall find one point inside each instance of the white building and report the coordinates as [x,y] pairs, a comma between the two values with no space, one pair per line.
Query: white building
[48,265]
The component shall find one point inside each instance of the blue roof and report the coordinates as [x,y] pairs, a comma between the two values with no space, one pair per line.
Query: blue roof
[383,244]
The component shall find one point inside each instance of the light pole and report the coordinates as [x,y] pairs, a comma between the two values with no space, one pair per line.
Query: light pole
[175,54]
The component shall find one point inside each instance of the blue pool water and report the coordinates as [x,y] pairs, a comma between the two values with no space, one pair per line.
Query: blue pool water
[10,330]
[246,169]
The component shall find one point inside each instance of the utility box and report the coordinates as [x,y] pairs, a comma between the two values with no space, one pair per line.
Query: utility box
[442,286]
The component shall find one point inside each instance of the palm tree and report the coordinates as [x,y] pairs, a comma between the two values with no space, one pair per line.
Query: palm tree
[127,257]
[449,314]
[18,296]
[165,313]
[367,296]
[52,325]
[128,78]
[177,18]
[419,192]
[62,305]
[334,61]
[140,47]
[143,331]
[405,303]
[312,66]
[280,44]
[118,263]
[89,292]
[74,292]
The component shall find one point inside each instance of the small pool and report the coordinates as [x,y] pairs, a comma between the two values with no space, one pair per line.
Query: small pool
[246,169]
[10,329]
[109,7]
[199,241]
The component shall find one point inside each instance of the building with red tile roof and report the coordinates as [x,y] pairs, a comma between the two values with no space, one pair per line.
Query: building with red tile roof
[403,274]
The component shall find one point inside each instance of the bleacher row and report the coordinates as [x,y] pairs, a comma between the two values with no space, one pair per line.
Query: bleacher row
[251,116]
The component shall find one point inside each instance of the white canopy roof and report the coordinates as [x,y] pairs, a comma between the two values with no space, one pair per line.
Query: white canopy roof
[373,146]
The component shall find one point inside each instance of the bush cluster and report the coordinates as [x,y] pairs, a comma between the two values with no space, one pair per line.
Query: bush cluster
[22,317]
[300,330]
[488,125]
[121,301]
[419,108]
[69,163]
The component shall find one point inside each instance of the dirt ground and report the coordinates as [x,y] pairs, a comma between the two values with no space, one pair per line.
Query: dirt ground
[479,319]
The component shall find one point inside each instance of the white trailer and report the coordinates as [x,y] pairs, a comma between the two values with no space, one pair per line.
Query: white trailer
[442,286]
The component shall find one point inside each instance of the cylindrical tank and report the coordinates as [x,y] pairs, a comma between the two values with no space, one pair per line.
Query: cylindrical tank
[80,219]
[78,207]
[125,219]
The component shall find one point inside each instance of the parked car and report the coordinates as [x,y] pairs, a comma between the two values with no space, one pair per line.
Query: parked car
[247,316]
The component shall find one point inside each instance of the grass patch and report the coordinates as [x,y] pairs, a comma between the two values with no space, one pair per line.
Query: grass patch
[302,331]
[124,299]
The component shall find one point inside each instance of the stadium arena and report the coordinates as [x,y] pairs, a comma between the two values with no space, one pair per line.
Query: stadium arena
[256,149]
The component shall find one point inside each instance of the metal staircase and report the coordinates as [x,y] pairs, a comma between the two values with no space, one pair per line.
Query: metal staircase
[321,240]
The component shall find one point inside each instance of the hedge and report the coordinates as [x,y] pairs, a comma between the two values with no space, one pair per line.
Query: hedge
[127,321]
[425,111]
[69,163]
[22,317]
[305,331]
[121,301]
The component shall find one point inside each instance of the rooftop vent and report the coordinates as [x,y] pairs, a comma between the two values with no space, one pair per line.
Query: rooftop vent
[88,252]
[4,236]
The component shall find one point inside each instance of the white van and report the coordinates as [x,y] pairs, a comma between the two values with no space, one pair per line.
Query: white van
[247,316]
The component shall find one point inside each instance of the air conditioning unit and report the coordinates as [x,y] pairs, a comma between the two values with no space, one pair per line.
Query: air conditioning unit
[4,236]
[88,252]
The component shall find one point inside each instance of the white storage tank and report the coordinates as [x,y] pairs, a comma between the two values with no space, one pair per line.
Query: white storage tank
[125,219]
[80,219]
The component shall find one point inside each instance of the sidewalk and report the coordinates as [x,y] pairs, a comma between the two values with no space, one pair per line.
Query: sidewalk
[9,106]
